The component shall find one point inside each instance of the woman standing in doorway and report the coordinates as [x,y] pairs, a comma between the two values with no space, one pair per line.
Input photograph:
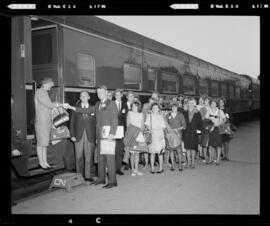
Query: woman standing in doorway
[43,122]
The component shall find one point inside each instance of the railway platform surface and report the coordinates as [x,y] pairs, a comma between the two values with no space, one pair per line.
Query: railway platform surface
[233,187]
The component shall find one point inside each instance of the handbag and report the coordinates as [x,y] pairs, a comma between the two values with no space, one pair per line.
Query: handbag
[173,138]
[147,133]
[141,147]
[107,147]
[61,116]
[59,133]
[225,129]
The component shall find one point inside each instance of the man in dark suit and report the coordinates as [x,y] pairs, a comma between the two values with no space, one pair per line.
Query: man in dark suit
[83,134]
[125,109]
[106,115]
[119,150]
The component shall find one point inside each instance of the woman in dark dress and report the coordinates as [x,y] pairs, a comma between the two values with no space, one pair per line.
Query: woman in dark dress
[217,117]
[225,138]
[193,123]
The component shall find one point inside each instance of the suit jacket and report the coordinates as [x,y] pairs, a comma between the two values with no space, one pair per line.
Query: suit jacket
[121,114]
[79,123]
[106,115]
[125,111]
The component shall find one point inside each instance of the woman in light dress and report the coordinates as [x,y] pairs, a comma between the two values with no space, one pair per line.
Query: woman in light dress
[43,122]
[156,123]
[135,118]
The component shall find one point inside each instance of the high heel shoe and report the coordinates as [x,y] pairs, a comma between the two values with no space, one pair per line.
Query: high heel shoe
[153,172]
[160,171]
[41,167]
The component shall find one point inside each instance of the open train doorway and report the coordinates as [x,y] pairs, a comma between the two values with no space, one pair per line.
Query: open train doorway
[35,55]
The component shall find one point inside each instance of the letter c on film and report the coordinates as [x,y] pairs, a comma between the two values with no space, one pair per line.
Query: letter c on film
[98,220]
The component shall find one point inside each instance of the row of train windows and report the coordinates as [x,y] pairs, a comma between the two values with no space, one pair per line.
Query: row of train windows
[132,74]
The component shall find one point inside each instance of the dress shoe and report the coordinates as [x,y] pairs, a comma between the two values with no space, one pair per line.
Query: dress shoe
[180,169]
[89,179]
[126,167]
[110,185]
[99,182]
[119,172]
[153,172]
[41,167]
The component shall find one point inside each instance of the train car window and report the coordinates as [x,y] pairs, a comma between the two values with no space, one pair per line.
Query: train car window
[237,93]
[152,79]
[214,89]
[188,84]
[203,86]
[132,76]
[86,69]
[231,92]
[170,82]
[43,47]
[224,91]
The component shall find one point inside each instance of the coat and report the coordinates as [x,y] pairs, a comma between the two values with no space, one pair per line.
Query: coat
[190,136]
[43,122]
[79,123]
[105,116]
[177,122]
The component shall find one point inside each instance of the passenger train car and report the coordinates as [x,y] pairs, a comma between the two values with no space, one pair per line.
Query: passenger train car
[82,52]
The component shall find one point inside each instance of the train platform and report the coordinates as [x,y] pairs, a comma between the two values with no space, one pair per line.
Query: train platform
[233,187]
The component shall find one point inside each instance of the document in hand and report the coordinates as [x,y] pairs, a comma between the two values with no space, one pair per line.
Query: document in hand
[107,147]
[118,135]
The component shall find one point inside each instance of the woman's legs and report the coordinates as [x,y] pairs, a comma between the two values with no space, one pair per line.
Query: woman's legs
[193,153]
[179,152]
[204,154]
[146,160]
[188,158]
[152,161]
[136,161]
[210,154]
[160,159]
[226,150]
[132,161]
[172,158]
[40,156]
[44,154]
[218,155]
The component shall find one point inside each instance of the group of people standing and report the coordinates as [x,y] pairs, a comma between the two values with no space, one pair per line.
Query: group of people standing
[195,128]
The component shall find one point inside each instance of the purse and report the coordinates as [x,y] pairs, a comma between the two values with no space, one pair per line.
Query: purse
[147,133]
[107,147]
[61,117]
[141,147]
[59,133]
[173,138]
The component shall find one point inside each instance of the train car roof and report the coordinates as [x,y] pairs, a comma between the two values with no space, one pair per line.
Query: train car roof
[112,31]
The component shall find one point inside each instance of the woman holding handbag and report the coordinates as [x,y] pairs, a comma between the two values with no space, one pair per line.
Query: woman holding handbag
[43,121]
[218,118]
[156,123]
[176,122]
[135,118]
[225,138]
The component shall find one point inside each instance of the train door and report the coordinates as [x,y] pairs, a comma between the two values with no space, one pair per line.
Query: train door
[38,58]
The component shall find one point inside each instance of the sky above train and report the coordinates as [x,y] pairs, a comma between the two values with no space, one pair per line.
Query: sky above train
[231,42]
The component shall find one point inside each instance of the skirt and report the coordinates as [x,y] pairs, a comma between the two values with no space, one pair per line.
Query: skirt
[215,138]
[225,138]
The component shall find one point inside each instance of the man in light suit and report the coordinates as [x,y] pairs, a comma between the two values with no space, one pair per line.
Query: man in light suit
[106,115]
[83,134]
